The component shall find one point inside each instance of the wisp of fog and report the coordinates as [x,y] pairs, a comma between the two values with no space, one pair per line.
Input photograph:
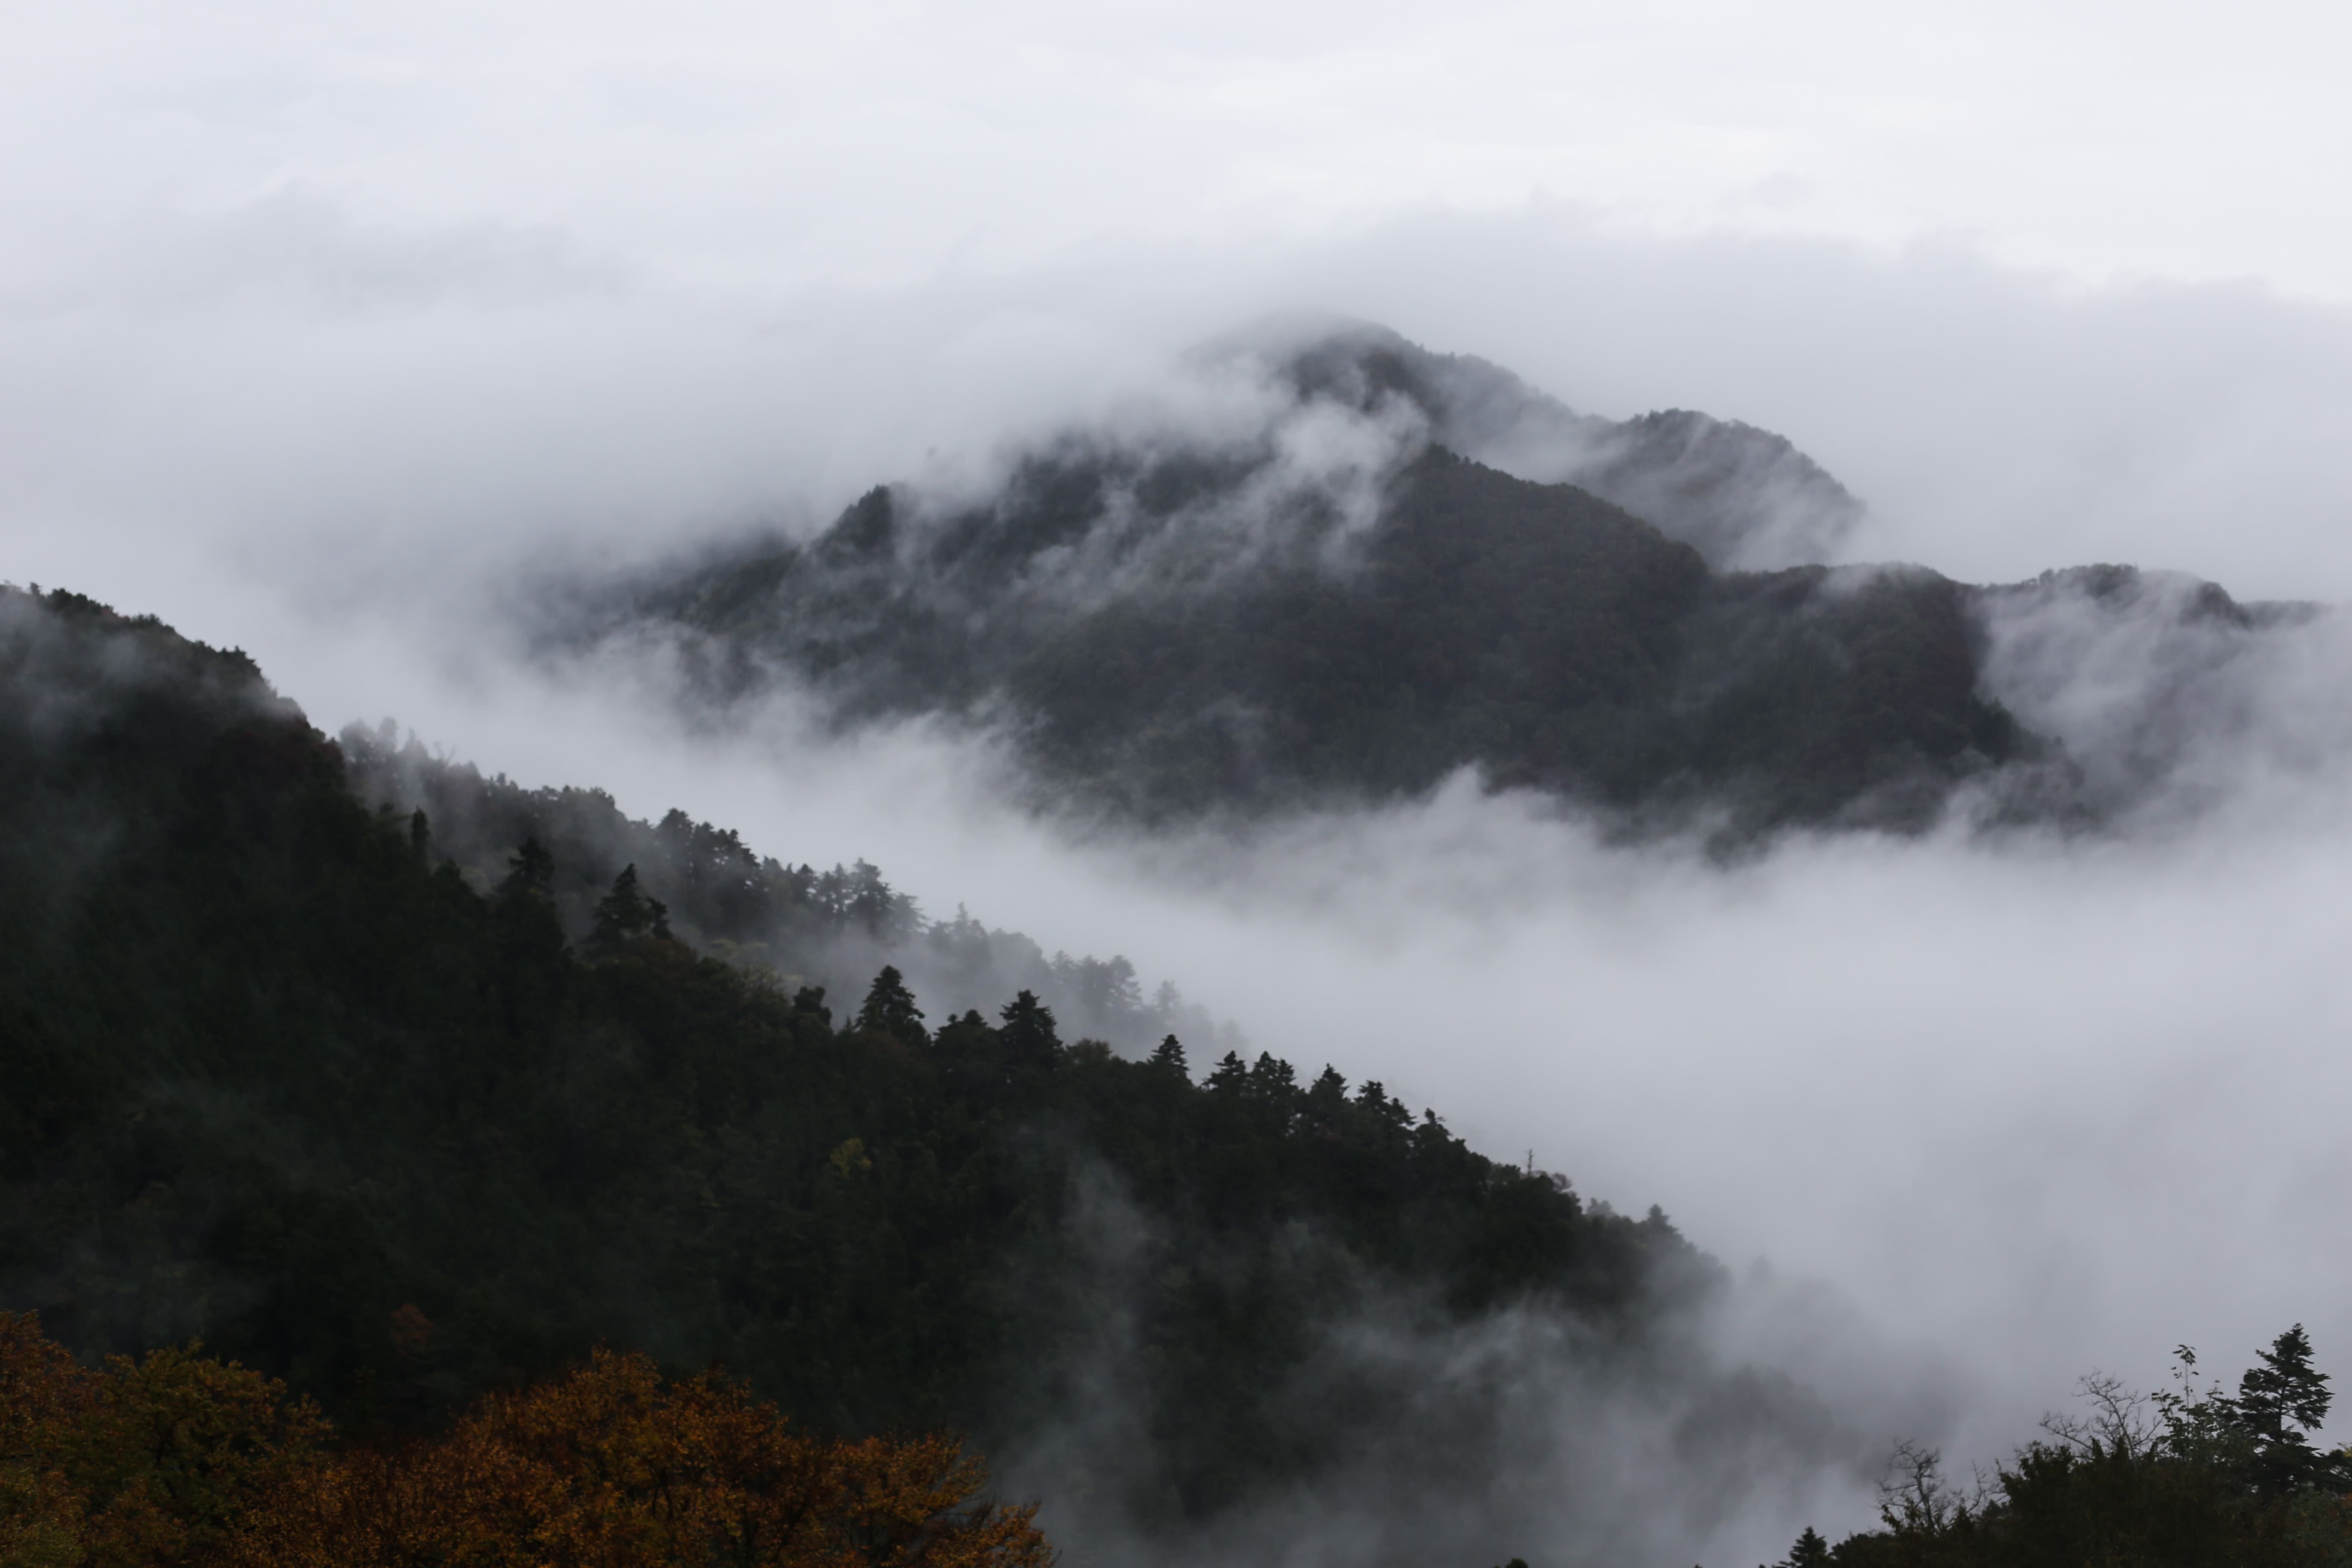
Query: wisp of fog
[1965,1115]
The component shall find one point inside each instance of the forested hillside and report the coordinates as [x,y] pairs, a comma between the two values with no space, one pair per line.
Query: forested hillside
[1535,630]
[278,1073]
[795,924]
[1386,566]
[274,1073]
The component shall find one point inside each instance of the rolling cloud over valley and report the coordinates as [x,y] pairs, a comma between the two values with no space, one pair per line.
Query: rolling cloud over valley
[416,356]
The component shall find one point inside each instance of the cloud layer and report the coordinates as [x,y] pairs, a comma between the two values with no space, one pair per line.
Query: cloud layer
[317,336]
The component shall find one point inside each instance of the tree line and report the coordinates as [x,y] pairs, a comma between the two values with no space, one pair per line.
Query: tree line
[2185,1478]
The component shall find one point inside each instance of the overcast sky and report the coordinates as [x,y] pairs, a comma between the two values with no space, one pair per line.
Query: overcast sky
[758,147]
[2042,282]
[315,320]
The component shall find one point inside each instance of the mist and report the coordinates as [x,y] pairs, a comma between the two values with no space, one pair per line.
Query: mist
[1967,1117]
[340,347]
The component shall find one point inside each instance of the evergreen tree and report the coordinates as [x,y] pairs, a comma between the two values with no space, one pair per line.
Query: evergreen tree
[530,869]
[621,915]
[1229,1076]
[1169,1056]
[2280,1399]
[1030,1038]
[890,1009]
[1812,1551]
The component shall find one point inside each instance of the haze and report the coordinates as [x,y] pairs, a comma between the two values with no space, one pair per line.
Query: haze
[319,335]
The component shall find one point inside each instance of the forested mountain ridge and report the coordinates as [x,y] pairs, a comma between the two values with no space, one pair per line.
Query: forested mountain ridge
[1323,601]
[1745,499]
[273,1073]
[276,1071]
[833,928]
[1535,631]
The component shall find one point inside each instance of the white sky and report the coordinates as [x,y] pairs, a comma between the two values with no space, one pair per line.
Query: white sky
[750,146]
[2043,283]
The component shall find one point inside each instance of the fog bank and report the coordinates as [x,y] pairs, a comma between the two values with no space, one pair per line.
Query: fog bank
[2009,1108]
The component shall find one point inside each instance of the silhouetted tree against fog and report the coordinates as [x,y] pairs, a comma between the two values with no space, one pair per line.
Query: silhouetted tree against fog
[890,1010]
[2282,1399]
[2180,1480]
[1169,1056]
[530,869]
[1811,1551]
[1031,1041]
[624,914]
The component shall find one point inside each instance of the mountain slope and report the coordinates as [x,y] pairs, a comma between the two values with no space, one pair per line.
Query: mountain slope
[274,1072]
[1166,643]
[1311,597]
[1745,499]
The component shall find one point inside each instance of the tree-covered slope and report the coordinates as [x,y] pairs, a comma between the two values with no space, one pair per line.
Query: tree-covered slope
[274,1072]
[1166,662]
[832,928]
[1370,567]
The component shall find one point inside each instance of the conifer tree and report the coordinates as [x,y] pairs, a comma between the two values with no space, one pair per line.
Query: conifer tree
[530,869]
[1031,1040]
[890,1009]
[2279,1399]
[1812,1551]
[621,915]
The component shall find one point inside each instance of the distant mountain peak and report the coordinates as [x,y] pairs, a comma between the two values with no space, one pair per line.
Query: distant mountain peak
[1746,499]
[1331,567]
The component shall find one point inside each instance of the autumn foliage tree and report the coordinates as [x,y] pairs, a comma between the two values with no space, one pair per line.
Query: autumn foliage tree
[180,1458]
[151,1461]
[614,1468]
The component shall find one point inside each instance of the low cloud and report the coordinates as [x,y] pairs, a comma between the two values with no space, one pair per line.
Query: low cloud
[2021,1106]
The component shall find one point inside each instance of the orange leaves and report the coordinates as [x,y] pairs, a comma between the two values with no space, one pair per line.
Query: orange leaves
[148,1462]
[177,1459]
[40,1381]
[612,1467]
[42,1391]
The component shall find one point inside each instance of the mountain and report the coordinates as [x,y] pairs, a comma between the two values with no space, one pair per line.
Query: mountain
[1351,568]
[280,1070]
[277,1072]
[795,924]
[1745,499]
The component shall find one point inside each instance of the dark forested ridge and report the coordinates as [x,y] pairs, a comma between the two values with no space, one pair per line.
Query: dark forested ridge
[795,924]
[1341,606]
[277,1072]
[1535,631]
[274,1073]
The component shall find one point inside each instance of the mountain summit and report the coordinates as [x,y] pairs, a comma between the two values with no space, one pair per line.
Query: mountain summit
[1745,499]
[1345,568]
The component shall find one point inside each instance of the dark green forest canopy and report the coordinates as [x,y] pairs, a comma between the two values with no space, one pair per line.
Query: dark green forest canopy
[835,928]
[274,1072]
